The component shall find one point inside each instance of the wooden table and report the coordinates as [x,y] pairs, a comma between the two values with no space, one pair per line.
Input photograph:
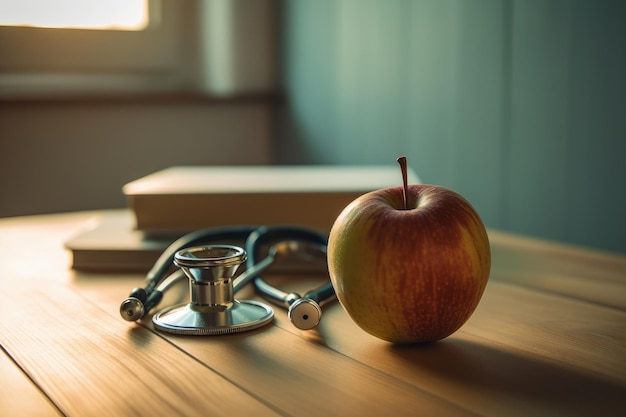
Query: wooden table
[547,339]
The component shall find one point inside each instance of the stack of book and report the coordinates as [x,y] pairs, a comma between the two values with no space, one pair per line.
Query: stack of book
[177,200]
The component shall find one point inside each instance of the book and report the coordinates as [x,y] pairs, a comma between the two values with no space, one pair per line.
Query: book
[184,198]
[112,244]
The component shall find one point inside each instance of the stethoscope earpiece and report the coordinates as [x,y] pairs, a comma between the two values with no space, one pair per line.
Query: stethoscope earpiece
[132,309]
[305,313]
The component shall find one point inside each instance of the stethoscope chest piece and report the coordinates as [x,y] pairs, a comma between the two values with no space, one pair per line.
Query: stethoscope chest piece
[212,310]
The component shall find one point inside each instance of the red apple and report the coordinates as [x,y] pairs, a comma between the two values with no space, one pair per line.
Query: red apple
[413,274]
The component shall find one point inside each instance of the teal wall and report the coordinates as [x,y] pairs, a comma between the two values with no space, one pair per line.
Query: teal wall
[518,105]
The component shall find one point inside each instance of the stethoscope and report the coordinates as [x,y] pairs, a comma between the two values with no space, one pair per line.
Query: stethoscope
[211,270]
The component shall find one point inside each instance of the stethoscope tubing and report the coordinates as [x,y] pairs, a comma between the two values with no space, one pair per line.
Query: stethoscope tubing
[303,311]
[270,235]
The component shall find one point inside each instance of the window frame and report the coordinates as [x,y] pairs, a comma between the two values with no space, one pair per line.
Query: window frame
[177,52]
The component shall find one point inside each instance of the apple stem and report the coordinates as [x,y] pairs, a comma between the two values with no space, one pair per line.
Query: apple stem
[405,182]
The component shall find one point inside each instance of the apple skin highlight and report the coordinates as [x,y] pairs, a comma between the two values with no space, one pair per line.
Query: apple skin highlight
[409,275]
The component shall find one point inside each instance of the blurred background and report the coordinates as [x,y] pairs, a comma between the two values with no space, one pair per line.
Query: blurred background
[519,105]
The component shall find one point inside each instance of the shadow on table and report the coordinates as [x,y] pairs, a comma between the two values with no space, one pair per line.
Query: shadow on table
[477,371]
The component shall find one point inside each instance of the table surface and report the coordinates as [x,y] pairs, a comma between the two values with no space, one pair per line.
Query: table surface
[548,338]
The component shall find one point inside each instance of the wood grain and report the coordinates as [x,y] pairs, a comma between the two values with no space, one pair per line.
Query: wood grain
[304,378]
[580,273]
[18,395]
[90,363]
[291,371]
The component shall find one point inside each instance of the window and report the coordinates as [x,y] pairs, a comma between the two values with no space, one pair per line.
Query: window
[181,47]
[77,14]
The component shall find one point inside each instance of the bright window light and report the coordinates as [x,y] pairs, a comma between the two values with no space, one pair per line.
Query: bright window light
[78,14]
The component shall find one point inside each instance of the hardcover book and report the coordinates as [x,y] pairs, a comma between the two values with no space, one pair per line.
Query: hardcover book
[182,199]
[112,244]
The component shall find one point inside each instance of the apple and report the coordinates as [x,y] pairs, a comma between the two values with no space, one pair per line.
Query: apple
[410,263]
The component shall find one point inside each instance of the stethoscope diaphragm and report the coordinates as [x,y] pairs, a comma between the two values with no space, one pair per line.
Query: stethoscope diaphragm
[212,309]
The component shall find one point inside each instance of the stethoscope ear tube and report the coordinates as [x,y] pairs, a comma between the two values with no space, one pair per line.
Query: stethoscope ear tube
[304,312]
[140,302]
